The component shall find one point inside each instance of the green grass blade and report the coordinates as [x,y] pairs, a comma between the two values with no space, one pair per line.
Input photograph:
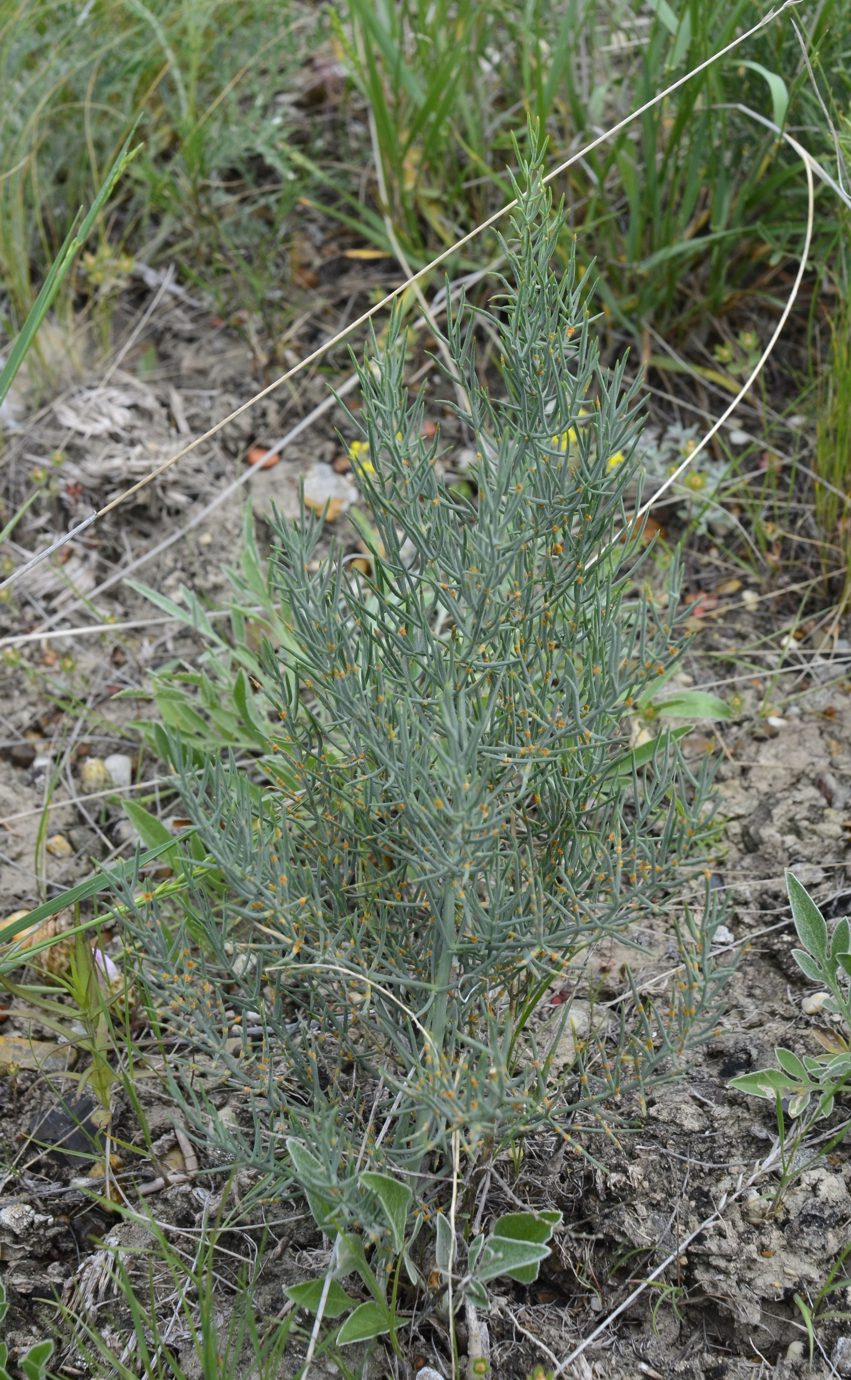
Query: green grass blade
[75,238]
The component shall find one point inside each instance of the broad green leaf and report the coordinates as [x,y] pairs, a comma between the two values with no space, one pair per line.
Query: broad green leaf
[809,921]
[532,1229]
[629,762]
[844,961]
[693,704]
[799,1103]
[477,1294]
[309,1167]
[836,1068]
[763,1083]
[351,1258]
[444,1244]
[312,1180]
[779,1081]
[151,830]
[474,1252]
[411,1271]
[517,1259]
[791,1064]
[527,1226]
[34,1363]
[840,940]
[814,971]
[322,1209]
[395,1199]
[825,1105]
[369,1320]
[777,87]
[309,1296]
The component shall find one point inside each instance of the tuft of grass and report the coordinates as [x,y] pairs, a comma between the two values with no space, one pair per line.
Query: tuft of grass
[832,461]
[212,87]
[690,211]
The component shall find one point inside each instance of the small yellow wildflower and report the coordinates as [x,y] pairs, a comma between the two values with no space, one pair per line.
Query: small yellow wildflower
[359,456]
[615,460]
[567,438]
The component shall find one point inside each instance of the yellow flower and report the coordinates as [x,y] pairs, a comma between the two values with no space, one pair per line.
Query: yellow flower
[359,456]
[615,460]
[567,438]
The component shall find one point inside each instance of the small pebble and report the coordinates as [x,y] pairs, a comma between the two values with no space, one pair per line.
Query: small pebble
[58,846]
[811,1005]
[757,1209]
[41,765]
[841,1357]
[94,775]
[21,754]
[243,965]
[120,768]
[124,832]
[21,1219]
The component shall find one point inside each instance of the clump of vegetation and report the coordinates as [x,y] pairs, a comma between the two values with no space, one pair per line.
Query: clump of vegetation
[810,1085]
[455,815]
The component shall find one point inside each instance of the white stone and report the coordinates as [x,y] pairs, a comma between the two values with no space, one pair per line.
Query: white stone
[120,768]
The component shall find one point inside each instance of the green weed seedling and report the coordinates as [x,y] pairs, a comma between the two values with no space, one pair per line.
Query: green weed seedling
[804,1089]
[812,1083]
[814,1310]
[84,1021]
[514,1248]
[226,699]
